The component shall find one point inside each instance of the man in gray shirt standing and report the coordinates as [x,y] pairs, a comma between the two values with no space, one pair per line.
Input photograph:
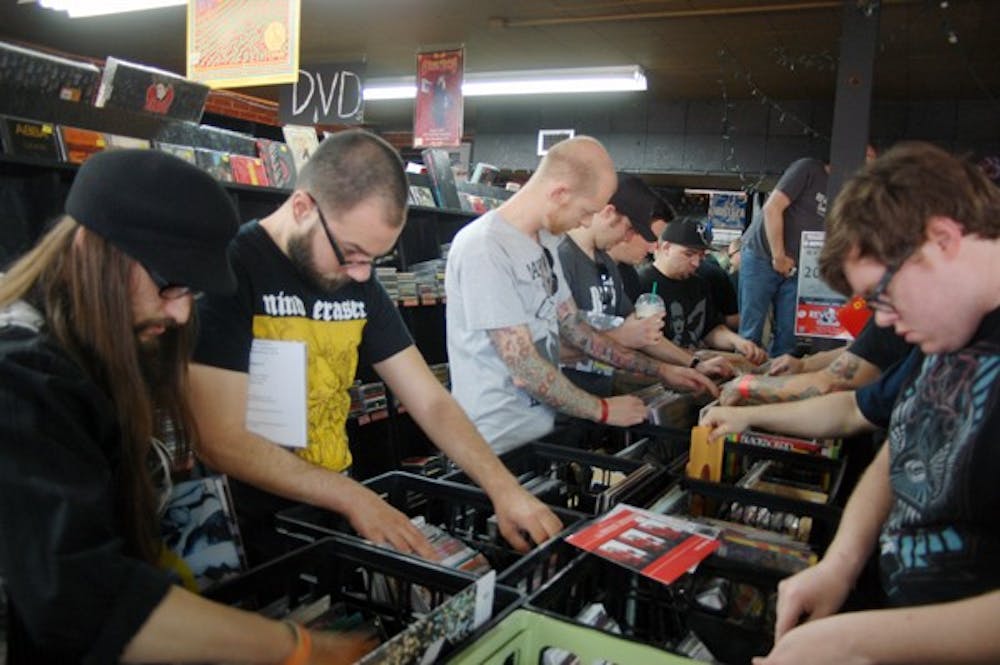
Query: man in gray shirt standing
[508,306]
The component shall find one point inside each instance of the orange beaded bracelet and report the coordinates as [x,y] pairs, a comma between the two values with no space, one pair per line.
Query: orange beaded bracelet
[303,645]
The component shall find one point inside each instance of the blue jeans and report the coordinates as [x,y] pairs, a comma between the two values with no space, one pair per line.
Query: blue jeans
[760,288]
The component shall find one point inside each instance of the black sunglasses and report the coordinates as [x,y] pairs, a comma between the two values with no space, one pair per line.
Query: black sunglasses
[553,281]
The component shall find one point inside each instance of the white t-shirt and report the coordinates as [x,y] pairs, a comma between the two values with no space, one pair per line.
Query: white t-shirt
[498,277]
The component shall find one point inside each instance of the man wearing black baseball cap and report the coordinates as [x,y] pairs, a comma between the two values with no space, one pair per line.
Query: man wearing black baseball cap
[597,287]
[95,328]
[692,319]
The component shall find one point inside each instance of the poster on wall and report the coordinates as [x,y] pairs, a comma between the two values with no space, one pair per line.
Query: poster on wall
[817,305]
[233,43]
[438,111]
[327,94]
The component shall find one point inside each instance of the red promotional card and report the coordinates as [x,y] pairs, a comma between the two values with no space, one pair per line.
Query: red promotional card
[660,547]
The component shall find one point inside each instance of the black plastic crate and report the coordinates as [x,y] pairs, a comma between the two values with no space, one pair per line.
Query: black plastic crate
[661,615]
[463,511]
[716,498]
[657,444]
[534,570]
[578,479]
[388,590]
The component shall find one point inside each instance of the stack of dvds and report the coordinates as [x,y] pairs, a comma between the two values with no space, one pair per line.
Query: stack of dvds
[389,279]
[451,552]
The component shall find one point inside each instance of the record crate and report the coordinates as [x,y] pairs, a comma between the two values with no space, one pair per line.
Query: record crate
[803,493]
[579,480]
[526,637]
[727,605]
[658,445]
[371,589]
[460,510]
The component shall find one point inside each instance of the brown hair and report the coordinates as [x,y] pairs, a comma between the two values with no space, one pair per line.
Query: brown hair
[352,166]
[882,212]
[82,288]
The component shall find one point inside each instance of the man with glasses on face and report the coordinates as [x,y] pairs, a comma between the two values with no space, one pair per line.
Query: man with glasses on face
[509,306]
[930,501]
[305,275]
[694,320]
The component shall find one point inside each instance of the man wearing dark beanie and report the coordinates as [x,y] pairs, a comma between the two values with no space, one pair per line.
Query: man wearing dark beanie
[95,329]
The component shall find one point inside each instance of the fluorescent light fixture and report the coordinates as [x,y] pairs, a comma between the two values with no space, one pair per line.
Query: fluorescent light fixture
[530,82]
[84,8]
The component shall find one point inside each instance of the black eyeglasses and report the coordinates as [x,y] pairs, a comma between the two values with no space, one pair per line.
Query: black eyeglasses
[553,280]
[341,259]
[606,288]
[169,290]
[876,299]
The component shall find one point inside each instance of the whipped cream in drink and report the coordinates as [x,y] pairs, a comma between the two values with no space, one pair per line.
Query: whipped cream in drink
[649,304]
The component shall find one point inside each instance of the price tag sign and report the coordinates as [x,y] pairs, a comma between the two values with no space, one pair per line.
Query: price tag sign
[816,303]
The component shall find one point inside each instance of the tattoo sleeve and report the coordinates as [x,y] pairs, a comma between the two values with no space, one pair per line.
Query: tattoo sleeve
[574,329]
[771,389]
[540,378]
[848,371]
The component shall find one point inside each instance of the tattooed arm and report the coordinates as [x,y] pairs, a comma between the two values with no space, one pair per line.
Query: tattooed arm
[543,381]
[847,372]
[574,329]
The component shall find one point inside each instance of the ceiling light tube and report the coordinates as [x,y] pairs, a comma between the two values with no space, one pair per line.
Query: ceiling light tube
[85,8]
[531,82]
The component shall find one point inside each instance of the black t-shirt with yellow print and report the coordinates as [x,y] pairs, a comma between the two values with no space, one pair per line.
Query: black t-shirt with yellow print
[357,323]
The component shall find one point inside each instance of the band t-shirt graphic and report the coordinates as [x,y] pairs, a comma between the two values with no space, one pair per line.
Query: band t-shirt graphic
[691,314]
[941,541]
[357,323]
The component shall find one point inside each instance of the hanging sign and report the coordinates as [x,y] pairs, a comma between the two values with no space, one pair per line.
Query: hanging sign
[233,43]
[438,111]
[329,94]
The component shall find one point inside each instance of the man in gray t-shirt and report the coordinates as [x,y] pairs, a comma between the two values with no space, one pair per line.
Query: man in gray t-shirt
[508,307]
[770,253]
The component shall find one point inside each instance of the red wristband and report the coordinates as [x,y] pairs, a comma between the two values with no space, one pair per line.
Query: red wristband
[744,386]
[604,411]
[303,645]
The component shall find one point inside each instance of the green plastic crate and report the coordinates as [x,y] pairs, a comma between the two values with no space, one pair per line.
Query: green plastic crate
[521,638]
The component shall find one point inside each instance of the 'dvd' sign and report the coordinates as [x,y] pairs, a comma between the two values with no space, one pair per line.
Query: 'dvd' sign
[330,94]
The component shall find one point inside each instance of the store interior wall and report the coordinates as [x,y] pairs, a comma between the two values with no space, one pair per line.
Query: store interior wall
[675,136]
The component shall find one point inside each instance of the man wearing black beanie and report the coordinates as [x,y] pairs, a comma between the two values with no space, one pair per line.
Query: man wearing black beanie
[95,328]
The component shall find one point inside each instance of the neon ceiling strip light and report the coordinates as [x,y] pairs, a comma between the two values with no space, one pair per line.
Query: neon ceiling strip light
[534,82]
[85,8]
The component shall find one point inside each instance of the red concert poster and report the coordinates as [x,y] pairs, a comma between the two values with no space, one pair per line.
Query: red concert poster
[438,111]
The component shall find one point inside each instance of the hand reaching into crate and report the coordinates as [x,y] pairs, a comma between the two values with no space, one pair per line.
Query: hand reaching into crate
[382,524]
[524,521]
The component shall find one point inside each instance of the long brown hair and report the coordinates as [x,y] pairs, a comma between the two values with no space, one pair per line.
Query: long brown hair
[81,284]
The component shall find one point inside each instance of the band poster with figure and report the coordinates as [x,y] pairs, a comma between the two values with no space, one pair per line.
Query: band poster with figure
[438,111]
[817,305]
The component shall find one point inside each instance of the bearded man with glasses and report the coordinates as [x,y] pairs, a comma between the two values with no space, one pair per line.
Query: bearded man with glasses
[305,275]
[930,501]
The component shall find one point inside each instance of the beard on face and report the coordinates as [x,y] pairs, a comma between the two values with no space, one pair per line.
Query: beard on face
[300,254]
[158,353]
